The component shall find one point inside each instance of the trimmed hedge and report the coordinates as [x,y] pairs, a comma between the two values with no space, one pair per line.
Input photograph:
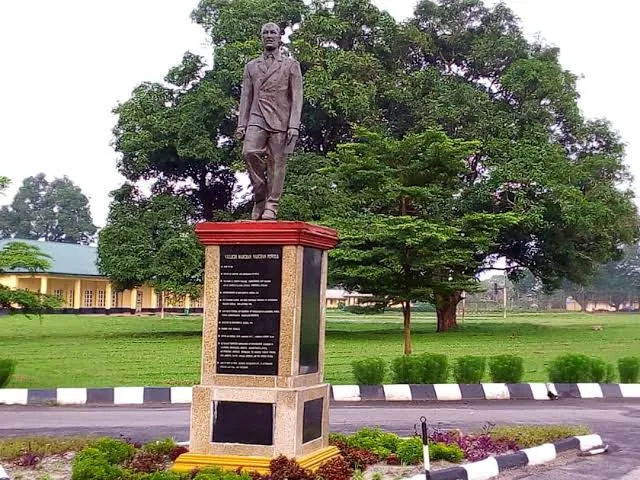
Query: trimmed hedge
[469,369]
[369,371]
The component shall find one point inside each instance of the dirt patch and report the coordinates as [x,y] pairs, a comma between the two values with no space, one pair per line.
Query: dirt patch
[56,467]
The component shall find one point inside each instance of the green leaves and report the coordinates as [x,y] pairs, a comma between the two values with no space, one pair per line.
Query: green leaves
[151,241]
[55,211]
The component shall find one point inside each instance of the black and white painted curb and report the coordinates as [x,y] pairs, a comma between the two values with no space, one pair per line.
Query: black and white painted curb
[339,393]
[3,474]
[492,466]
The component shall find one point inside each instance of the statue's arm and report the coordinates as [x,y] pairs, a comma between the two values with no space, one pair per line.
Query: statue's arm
[246,98]
[296,96]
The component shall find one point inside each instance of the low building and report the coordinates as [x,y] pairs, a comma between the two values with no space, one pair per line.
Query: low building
[337,298]
[74,278]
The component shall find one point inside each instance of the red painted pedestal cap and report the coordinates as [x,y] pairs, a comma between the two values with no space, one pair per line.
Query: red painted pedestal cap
[266,233]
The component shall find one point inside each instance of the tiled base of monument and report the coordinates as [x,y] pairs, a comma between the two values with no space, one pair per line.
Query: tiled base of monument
[246,427]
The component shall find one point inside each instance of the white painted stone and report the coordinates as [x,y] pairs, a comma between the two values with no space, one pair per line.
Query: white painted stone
[14,396]
[181,394]
[71,396]
[496,391]
[346,393]
[629,390]
[587,442]
[542,454]
[397,393]
[482,470]
[448,391]
[128,395]
[539,391]
[590,390]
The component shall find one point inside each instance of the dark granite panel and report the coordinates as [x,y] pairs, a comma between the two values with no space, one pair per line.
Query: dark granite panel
[249,309]
[312,420]
[310,319]
[243,422]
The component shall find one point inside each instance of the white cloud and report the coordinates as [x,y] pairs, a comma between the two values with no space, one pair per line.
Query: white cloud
[66,64]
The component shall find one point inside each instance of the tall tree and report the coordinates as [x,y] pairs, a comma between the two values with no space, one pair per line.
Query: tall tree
[401,239]
[151,241]
[55,211]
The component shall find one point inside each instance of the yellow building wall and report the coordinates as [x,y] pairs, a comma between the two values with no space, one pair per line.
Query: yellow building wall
[8,280]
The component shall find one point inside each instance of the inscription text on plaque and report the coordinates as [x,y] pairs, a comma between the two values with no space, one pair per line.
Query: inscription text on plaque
[249,310]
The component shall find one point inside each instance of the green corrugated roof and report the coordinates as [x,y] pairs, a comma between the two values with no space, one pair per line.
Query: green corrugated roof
[66,258]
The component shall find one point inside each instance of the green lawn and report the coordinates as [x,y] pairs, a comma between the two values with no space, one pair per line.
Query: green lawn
[93,351]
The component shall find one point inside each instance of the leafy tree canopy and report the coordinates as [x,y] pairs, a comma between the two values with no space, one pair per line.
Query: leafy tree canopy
[55,211]
[150,241]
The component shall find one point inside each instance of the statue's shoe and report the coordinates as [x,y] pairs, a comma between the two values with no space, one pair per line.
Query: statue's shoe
[257,212]
[268,215]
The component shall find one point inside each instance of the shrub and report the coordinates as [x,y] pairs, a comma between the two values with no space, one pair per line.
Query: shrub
[527,436]
[577,368]
[442,451]
[469,369]
[92,464]
[629,369]
[611,373]
[364,309]
[598,370]
[177,451]
[369,371]
[506,369]
[7,368]
[146,462]
[283,468]
[432,368]
[164,476]
[335,469]
[406,369]
[375,440]
[115,451]
[162,447]
[410,451]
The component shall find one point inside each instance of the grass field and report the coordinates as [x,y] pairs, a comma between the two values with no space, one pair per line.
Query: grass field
[97,351]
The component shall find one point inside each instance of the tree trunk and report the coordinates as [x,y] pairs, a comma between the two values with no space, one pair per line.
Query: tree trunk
[446,305]
[162,305]
[406,313]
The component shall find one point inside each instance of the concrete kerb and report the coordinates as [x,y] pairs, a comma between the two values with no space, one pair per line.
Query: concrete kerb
[339,393]
[491,467]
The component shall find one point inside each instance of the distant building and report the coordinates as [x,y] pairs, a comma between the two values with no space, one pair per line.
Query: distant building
[74,278]
[337,297]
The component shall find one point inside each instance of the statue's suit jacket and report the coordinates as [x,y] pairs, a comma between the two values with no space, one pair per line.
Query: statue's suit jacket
[273,93]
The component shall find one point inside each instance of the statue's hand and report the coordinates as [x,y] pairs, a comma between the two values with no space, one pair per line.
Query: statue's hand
[291,134]
[240,131]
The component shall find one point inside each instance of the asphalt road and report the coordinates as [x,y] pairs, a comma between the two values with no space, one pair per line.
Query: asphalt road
[618,422]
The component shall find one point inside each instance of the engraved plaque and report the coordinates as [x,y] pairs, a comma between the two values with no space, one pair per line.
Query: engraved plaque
[249,310]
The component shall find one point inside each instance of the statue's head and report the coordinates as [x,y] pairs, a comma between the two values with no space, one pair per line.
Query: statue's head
[271,36]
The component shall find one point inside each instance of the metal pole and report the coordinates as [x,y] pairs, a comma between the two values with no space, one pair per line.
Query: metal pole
[425,448]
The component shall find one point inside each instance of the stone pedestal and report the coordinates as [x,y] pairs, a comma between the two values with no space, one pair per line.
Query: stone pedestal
[261,392]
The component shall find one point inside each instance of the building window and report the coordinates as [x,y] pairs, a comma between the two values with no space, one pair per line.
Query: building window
[70,302]
[88,298]
[59,294]
[114,299]
[100,299]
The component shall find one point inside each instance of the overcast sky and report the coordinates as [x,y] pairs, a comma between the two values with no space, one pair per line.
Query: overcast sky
[66,63]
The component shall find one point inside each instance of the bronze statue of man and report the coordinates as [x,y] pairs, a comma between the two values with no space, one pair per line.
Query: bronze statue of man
[269,121]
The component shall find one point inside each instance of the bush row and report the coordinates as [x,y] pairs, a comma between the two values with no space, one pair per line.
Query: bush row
[430,368]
